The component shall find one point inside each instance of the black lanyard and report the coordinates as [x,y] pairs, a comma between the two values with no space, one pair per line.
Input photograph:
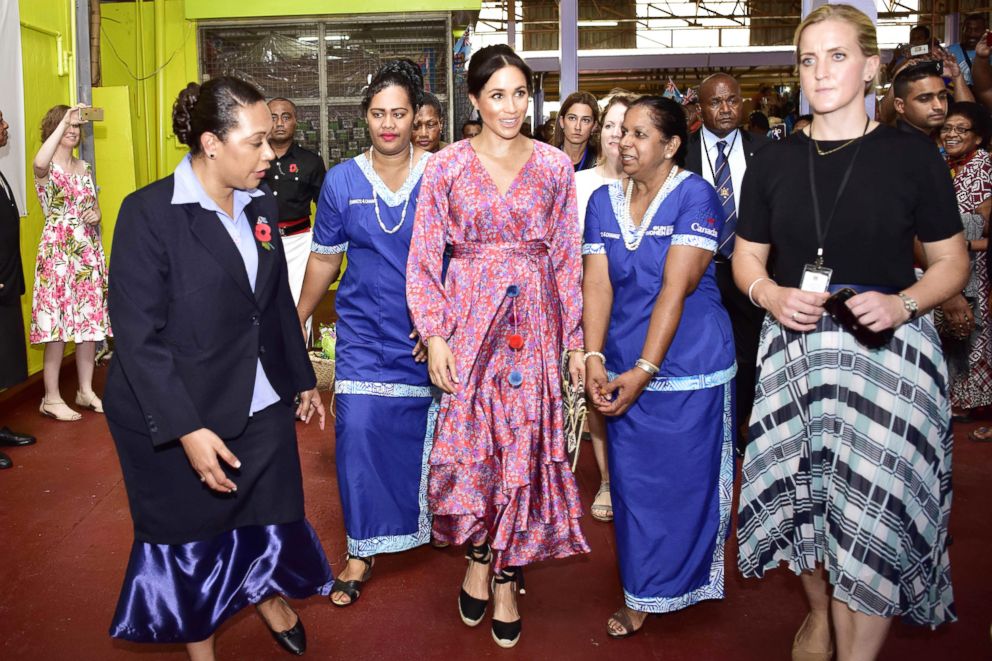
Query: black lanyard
[822,229]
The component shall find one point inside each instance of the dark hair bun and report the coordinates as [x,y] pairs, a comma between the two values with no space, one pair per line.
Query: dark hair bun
[403,72]
[182,113]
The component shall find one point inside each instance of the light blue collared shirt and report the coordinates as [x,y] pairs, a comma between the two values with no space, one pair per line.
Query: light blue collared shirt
[188,190]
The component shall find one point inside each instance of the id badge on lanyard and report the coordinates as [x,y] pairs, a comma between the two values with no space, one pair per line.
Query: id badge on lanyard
[816,277]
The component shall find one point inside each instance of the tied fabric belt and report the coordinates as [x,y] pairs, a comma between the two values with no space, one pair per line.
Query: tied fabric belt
[297,226]
[478,249]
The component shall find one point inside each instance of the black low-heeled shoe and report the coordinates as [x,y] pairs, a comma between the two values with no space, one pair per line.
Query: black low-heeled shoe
[472,610]
[507,634]
[294,639]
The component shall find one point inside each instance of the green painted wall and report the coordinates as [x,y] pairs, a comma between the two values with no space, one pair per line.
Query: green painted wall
[203,9]
[44,88]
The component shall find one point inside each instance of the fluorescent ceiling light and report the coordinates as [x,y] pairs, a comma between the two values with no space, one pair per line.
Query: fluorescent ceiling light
[329,37]
[597,24]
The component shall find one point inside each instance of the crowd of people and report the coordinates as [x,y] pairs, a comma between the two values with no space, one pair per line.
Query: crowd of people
[713,291]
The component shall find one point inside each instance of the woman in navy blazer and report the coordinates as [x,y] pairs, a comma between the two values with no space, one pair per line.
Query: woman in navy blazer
[200,395]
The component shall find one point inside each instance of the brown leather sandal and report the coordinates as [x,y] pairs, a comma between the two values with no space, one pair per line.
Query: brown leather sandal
[623,619]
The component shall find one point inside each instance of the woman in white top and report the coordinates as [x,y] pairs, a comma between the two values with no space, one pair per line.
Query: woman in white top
[608,169]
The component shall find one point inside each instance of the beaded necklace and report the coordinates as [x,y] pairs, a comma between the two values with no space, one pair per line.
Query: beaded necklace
[375,197]
[632,236]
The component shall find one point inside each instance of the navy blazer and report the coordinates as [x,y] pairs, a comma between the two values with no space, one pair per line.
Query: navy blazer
[188,329]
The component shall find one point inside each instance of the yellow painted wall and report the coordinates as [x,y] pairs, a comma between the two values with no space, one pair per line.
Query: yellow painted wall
[150,47]
[112,142]
[43,88]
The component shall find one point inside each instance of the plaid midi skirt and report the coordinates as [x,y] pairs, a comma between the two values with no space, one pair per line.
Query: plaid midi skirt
[850,467]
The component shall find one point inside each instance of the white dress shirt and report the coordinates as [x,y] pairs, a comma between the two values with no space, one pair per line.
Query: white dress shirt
[709,153]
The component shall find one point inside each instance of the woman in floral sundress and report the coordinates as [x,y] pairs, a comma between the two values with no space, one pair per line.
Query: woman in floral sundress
[495,327]
[70,283]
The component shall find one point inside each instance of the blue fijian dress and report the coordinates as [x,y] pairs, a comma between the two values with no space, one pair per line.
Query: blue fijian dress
[385,404]
[670,454]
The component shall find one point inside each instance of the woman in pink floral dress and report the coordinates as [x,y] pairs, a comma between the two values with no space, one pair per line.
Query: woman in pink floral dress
[496,326]
[70,283]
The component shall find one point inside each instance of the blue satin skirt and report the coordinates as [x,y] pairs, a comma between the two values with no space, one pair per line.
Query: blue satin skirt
[671,479]
[181,593]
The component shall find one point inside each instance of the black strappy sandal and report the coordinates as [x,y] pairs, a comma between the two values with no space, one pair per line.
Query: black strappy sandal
[353,589]
[472,610]
[507,634]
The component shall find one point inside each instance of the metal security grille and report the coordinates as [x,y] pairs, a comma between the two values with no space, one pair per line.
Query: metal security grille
[323,64]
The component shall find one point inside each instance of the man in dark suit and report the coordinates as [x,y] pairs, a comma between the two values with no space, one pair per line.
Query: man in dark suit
[13,359]
[720,152]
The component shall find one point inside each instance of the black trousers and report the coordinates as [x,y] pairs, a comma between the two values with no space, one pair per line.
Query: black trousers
[13,352]
[746,320]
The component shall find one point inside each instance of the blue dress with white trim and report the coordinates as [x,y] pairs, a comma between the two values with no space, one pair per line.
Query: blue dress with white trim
[385,404]
[670,454]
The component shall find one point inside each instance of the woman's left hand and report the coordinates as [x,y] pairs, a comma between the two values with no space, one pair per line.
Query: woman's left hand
[577,369]
[309,404]
[626,388]
[877,311]
[90,217]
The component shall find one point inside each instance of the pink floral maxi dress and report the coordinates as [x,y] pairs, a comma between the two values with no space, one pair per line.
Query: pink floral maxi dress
[498,469]
[70,278]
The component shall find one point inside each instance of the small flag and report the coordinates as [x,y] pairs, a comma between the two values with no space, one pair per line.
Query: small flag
[672,91]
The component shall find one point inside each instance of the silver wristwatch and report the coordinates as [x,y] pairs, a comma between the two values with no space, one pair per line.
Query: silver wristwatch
[912,307]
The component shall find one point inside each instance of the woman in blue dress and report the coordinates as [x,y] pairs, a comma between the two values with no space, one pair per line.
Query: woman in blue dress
[384,423]
[659,361]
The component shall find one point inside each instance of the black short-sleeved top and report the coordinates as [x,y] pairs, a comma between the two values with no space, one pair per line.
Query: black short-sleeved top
[900,188]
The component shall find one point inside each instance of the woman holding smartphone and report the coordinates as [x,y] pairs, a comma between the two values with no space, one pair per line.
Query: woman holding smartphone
[70,281]
[848,476]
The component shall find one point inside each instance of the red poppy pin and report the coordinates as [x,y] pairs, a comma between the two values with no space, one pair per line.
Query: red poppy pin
[711,220]
[293,168]
[263,233]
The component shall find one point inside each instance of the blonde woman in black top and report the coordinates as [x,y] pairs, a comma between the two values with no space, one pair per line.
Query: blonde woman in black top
[848,477]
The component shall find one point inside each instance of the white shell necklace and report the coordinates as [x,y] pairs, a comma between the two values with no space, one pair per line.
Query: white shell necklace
[375,198]
[632,236]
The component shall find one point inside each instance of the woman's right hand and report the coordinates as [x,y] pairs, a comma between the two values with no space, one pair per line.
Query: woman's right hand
[203,447]
[793,308]
[441,364]
[67,118]
[596,382]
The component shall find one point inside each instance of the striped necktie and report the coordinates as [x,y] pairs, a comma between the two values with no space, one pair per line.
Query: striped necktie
[725,189]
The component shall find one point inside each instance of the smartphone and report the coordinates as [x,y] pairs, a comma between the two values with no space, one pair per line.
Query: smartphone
[988,39]
[922,49]
[91,114]
[836,307]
